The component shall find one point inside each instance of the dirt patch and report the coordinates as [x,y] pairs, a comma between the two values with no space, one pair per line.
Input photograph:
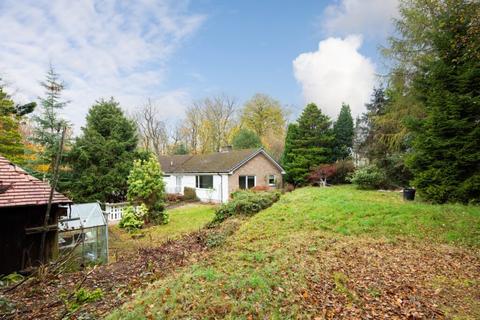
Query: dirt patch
[118,281]
[402,280]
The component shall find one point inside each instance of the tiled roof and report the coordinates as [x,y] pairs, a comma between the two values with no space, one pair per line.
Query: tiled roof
[219,162]
[18,188]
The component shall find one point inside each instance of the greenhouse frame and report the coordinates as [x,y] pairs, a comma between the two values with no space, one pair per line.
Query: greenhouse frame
[85,231]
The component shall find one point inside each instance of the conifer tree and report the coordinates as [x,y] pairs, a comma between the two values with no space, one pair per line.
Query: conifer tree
[343,131]
[446,149]
[48,125]
[102,157]
[309,143]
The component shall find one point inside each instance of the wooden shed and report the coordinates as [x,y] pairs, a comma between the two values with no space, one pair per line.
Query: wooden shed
[23,205]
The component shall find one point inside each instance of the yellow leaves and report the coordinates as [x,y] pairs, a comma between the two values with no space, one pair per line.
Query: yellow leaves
[44,168]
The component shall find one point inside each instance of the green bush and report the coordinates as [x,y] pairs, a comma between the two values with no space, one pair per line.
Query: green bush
[245,203]
[189,194]
[83,296]
[369,177]
[396,171]
[157,213]
[146,185]
[132,220]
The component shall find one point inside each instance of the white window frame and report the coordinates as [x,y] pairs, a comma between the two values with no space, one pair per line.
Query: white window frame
[246,182]
[197,182]
[274,180]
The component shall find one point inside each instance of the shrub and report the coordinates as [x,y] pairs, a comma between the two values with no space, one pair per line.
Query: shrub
[145,185]
[172,197]
[397,172]
[189,194]
[245,203]
[132,219]
[260,188]
[369,177]
[344,169]
[288,187]
[319,174]
[335,173]
[82,296]
[157,213]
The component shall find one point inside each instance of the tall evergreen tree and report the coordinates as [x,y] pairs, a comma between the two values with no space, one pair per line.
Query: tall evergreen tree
[446,149]
[343,131]
[370,145]
[308,144]
[374,132]
[48,125]
[103,155]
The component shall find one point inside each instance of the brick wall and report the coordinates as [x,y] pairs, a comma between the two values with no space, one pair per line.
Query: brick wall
[259,166]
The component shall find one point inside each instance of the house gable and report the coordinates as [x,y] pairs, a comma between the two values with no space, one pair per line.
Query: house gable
[260,152]
[261,166]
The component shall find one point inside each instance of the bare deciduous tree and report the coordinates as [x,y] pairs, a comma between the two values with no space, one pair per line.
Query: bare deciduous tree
[152,131]
[208,123]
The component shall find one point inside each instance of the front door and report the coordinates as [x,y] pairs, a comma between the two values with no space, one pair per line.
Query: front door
[178,184]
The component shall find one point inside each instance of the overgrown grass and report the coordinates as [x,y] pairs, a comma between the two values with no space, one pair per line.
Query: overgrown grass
[261,271]
[184,219]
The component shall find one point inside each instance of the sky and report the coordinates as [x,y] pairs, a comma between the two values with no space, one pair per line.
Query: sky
[176,52]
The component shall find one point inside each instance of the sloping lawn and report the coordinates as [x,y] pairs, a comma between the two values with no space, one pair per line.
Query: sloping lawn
[331,253]
[184,219]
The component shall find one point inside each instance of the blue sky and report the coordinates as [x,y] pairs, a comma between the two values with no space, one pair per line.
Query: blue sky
[174,52]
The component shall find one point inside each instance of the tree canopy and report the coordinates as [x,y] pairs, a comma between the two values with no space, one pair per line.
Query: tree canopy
[309,142]
[246,139]
[262,114]
[445,153]
[102,156]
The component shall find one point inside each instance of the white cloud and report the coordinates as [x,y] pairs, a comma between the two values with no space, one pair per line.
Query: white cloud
[100,48]
[372,18]
[336,73]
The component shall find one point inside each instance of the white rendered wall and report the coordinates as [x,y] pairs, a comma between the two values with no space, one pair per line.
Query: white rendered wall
[218,193]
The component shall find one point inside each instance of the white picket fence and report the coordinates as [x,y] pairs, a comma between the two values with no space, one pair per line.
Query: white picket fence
[114,211]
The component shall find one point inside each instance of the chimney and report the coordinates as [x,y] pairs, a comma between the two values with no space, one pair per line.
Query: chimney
[225,149]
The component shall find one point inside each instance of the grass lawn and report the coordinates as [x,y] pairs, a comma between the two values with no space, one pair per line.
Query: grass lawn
[328,253]
[184,219]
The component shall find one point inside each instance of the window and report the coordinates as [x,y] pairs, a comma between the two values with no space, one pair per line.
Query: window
[246,182]
[271,180]
[204,182]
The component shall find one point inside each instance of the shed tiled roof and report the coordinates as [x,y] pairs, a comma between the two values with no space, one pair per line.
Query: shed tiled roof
[219,162]
[18,188]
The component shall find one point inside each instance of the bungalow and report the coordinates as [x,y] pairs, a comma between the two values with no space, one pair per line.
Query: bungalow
[23,205]
[215,176]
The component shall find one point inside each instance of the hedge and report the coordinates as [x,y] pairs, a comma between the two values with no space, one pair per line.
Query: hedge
[246,203]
